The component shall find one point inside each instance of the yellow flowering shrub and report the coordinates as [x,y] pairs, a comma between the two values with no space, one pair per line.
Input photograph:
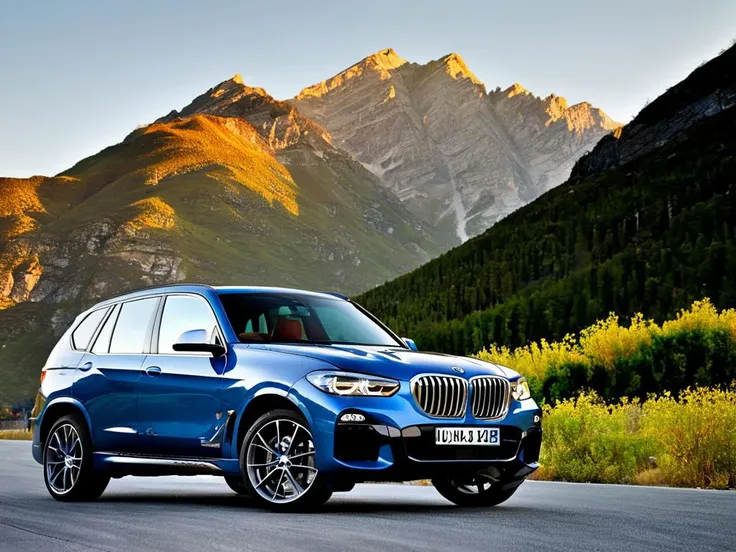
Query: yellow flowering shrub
[688,441]
[697,348]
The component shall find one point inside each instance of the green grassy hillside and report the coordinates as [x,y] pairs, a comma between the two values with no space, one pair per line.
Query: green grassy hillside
[201,198]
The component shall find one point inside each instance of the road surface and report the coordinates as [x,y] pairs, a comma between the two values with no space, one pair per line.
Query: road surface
[202,514]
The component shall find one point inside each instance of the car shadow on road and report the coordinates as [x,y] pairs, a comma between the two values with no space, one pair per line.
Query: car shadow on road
[337,505]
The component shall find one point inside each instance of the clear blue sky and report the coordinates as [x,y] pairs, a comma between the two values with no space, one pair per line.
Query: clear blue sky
[78,76]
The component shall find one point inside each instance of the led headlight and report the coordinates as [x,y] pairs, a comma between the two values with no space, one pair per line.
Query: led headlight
[520,390]
[347,383]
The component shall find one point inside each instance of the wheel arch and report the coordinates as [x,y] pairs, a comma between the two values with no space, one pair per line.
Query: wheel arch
[264,402]
[56,409]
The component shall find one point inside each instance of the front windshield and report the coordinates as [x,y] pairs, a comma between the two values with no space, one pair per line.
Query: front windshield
[301,318]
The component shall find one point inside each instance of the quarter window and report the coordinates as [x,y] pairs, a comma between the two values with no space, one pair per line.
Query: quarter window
[102,343]
[132,326]
[183,313]
[84,332]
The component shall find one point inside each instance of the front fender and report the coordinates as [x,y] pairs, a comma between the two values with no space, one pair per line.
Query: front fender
[269,393]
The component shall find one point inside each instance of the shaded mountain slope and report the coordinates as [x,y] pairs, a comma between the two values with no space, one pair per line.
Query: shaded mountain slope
[649,236]
[708,90]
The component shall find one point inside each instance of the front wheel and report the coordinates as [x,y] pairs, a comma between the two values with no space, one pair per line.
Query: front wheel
[473,492]
[67,462]
[278,463]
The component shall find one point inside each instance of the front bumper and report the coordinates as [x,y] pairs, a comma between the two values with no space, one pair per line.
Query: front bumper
[396,440]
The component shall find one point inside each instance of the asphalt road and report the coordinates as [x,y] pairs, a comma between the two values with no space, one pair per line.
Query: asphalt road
[201,513]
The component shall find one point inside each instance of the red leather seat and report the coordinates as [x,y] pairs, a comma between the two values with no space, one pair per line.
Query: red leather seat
[288,330]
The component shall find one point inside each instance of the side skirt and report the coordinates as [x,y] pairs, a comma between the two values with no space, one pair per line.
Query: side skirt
[118,465]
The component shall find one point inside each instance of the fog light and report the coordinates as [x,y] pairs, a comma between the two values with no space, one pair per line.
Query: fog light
[352,418]
[537,418]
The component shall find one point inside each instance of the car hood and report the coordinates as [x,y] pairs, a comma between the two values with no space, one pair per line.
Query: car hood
[393,362]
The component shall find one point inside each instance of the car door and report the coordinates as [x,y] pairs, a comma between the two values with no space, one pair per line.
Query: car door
[106,380]
[179,404]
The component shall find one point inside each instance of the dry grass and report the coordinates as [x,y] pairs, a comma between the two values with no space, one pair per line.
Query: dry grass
[153,213]
[684,442]
[18,198]
[15,434]
[198,142]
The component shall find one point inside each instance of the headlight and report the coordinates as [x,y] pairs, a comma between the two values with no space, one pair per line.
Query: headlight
[520,390]
[347,383]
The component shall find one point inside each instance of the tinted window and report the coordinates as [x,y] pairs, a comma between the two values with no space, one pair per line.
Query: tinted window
[181,314]
[84,332]
[102,343]
[301,318]
[131,329]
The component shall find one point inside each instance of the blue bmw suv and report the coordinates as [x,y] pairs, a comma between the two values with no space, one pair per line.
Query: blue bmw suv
[290,395]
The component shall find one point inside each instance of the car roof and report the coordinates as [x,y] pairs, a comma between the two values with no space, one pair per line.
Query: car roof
[199,288]
[225,290]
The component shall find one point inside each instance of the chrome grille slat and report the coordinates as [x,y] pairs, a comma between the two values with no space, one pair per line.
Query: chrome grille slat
[447,407]
[464,400]
[441,396]
[491,397]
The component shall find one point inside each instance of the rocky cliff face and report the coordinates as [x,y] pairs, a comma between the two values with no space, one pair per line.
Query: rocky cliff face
[458,157]
[707,91]
[278,123]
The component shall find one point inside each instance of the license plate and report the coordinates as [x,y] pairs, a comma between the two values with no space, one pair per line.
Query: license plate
[471,436]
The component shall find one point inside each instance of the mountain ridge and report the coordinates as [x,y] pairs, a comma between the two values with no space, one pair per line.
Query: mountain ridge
[434,135]
[249,191]
[708,90]
[647,233]
[238,186]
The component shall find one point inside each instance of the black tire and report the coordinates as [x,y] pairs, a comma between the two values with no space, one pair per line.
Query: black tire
[455,493]
[86,485]
[237,484]
[316,491]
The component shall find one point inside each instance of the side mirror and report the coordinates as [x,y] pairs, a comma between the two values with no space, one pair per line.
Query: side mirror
[410,343]
[198,341]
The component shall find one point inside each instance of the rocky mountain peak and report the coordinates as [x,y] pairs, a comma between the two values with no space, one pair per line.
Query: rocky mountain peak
[555,105]
[279,123]
[515,90]
[458,69]
[381,63]
[459,158]
[384,60]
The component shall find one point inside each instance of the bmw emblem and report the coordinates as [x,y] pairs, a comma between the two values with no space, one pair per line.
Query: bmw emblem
[458,370]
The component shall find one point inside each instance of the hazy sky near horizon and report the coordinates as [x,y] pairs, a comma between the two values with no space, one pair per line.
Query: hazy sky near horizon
[78,76]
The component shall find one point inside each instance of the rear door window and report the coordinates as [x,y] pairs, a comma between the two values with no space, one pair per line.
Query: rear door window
[130,335]
[84,332]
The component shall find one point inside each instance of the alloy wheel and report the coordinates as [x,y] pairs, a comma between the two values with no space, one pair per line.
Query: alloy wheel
[477,485]
[63,459]
[280,461]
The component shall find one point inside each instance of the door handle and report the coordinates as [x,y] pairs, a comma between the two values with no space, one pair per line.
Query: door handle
[86,366]
[153,371]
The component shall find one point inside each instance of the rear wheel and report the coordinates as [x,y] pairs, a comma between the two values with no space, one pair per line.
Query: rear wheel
[278,463]
[67,462]
[472,492]
[236,484]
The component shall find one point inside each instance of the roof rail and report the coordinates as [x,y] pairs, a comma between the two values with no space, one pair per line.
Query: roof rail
[335,294]
[155,287]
